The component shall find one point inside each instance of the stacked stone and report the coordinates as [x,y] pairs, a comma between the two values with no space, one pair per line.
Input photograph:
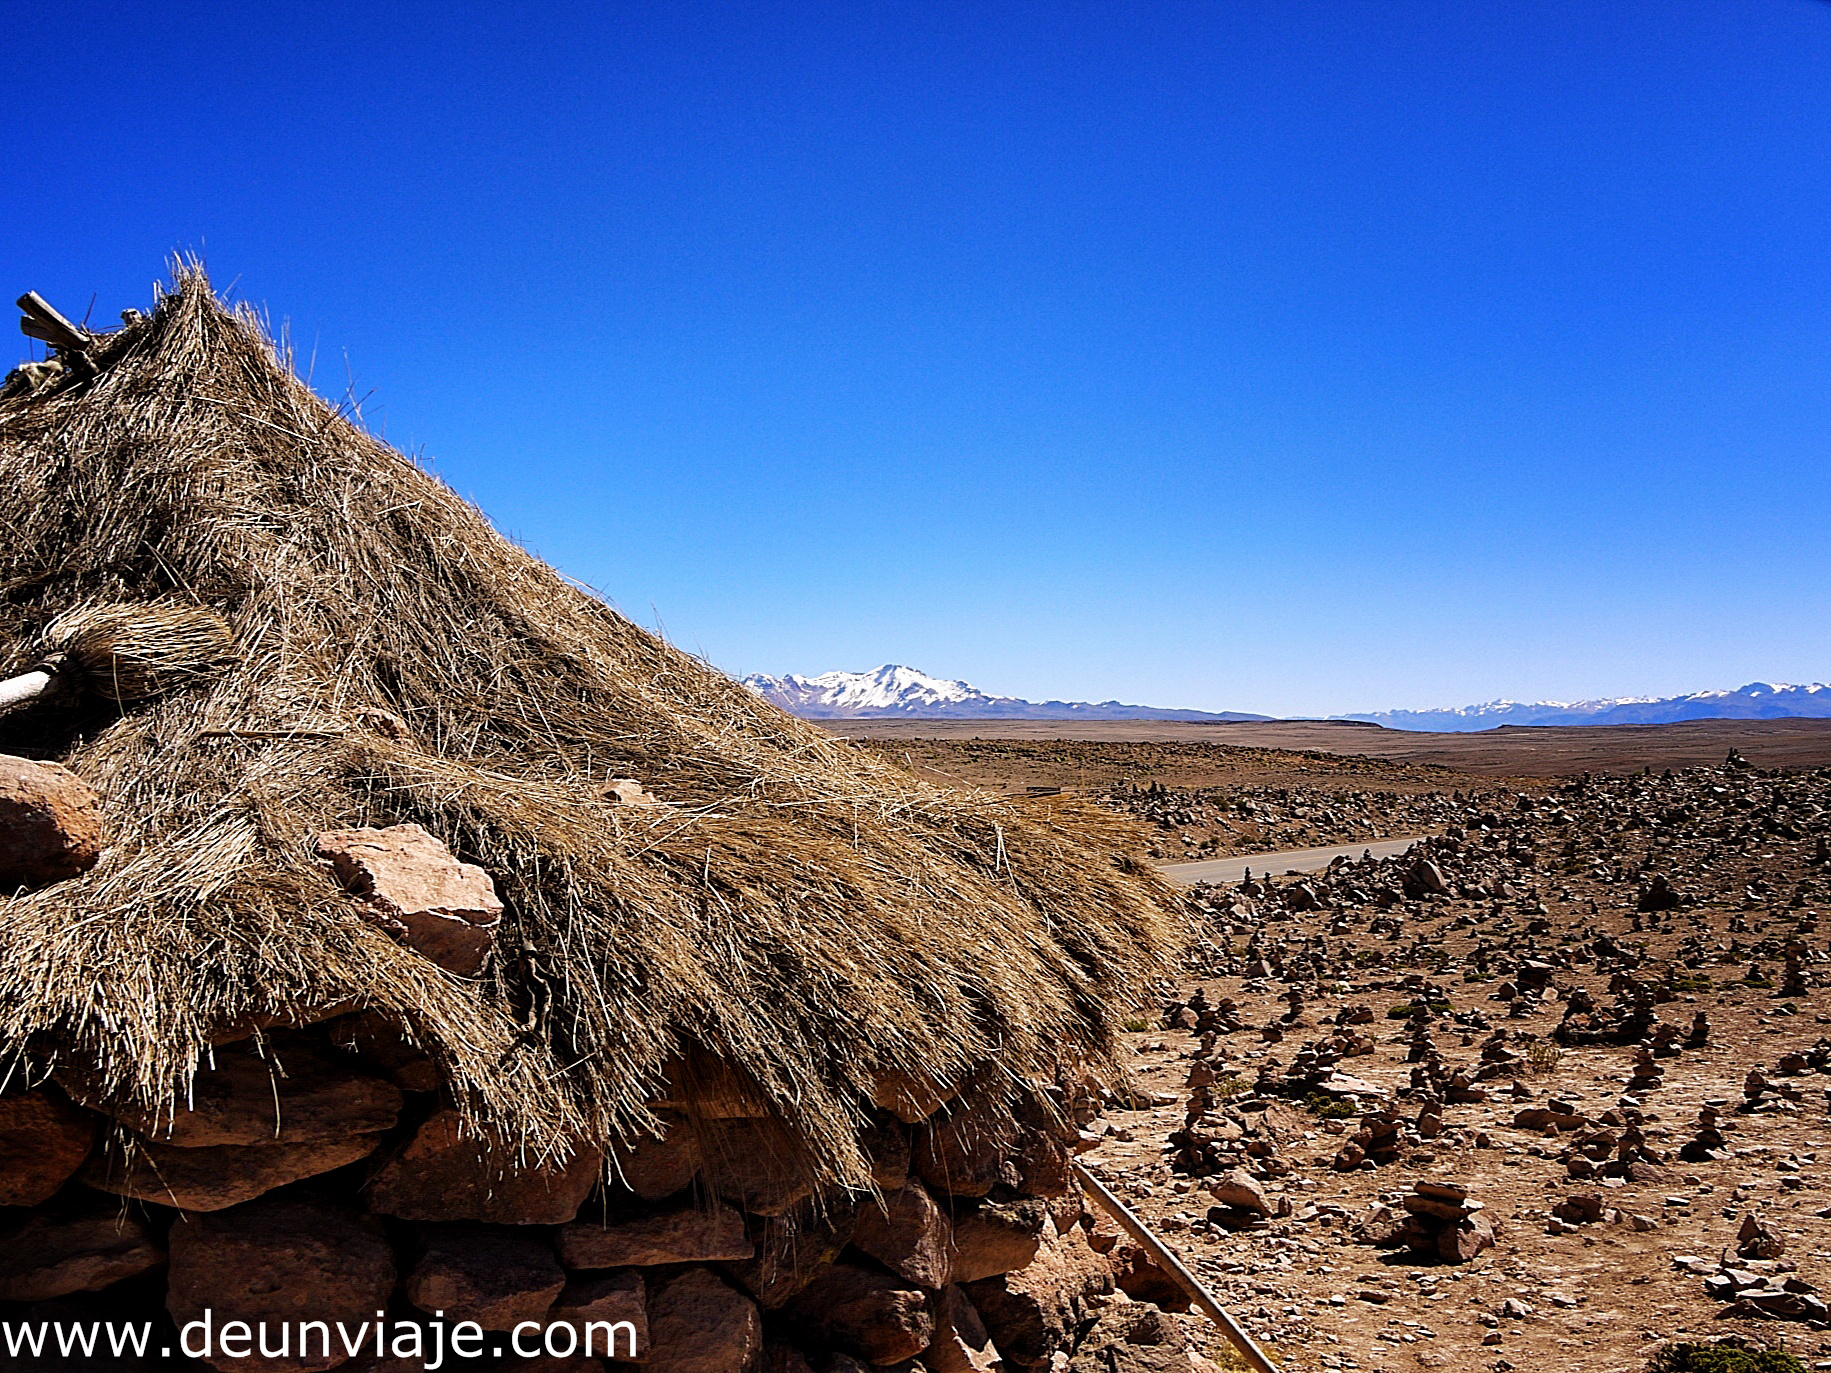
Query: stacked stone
[1246,1135]
[1649,1072]
[1497,1060]
[320,1173]
[1708,1145]
[705,1246]
[1765,1289]
[1376,1143]
[1762,1093]
[1200,1016]
[1442,1222]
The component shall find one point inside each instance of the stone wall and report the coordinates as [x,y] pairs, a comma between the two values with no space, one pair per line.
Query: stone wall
[321,1176]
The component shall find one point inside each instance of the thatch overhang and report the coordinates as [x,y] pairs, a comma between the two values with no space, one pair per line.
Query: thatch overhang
[801,918]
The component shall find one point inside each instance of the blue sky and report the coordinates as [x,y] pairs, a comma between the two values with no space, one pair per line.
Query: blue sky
[1291,357]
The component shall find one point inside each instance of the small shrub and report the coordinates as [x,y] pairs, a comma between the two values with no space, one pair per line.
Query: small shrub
[1544,1056]
[1330,1108]
[1724,1358]
[1405,1009]
[1692,982]
[1136,1025]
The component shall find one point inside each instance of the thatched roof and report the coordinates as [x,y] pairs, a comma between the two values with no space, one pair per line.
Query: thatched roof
[802,913]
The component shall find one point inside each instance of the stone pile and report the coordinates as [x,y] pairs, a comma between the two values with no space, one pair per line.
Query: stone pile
[1580,1208]
[1708,1145]
[1200,1016]
[1765,1289]
[1441,1221]
[1246,1134]
[1375,1144]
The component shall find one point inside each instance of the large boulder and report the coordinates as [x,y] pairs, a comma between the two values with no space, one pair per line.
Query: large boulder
[497,1276]
[298,1096]
[277,1260]
[43,1141]
[970,1150]
[686,1234]
[886,1143]
[878,1317]
[213,1179]
[1032,1313]
[415,888]
[61,1250]
[794,1248]
[50,824]
[699,1324]
[655,1169]
[1240,1191]
[752,1165]
[910,1235]
[961,1344]
[383,1045]
[445,1174]
[909,1098]
[996,1237]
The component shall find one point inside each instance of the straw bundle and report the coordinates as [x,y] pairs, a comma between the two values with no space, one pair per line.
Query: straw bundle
[800,916]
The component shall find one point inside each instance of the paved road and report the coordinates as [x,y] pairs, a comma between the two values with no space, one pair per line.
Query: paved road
[1224,870]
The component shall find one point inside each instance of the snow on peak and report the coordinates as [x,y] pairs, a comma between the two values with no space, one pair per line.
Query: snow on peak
[1756,701]
[891,688]
[897,690]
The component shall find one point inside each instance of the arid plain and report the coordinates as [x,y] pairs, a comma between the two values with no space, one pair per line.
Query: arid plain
[1594,1004]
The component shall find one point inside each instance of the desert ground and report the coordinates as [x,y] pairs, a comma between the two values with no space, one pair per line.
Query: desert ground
[1589,1014]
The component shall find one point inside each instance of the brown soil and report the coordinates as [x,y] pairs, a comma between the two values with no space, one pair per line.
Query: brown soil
[1548,870]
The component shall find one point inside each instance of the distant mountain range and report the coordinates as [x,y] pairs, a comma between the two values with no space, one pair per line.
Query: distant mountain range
[894,691]
[1756,701]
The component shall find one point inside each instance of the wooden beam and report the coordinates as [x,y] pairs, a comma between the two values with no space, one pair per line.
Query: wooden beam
[1171,1264]
[41,321]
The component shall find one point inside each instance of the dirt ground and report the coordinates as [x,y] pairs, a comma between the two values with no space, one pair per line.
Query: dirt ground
[1637,900]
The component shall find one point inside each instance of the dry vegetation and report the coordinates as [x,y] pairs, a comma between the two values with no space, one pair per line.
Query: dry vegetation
[798,911]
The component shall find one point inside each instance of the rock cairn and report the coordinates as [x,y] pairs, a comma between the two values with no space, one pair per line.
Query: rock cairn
[1442,1222]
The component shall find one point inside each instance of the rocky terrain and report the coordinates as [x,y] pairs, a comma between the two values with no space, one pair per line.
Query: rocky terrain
[1551,1087]
[1213,822]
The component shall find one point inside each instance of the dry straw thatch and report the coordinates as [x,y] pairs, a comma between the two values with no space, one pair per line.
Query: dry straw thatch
[811,919]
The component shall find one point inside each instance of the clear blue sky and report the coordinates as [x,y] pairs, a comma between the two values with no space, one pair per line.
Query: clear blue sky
[1279,356]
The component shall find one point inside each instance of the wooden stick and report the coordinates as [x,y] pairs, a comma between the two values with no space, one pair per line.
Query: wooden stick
[44,323]
[23,689]
[1166,1256]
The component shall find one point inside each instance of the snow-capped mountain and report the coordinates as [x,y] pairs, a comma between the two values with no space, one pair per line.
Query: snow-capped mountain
[1756,701]
[893,690]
